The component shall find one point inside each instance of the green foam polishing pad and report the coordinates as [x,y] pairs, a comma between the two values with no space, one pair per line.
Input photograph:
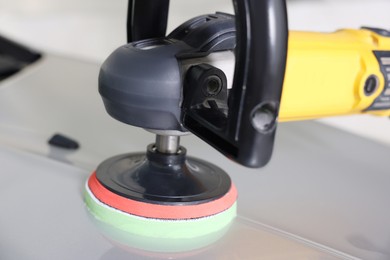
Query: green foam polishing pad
[158,235]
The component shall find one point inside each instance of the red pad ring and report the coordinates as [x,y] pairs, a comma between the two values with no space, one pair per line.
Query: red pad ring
[157,211]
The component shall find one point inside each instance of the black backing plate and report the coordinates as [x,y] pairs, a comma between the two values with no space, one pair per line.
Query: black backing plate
[190,181]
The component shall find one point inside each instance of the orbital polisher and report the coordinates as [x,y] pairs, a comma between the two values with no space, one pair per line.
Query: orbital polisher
[220,77]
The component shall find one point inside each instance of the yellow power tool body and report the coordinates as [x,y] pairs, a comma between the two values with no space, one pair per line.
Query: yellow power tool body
[340,73]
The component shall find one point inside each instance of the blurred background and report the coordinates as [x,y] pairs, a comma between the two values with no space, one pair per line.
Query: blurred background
[92,29]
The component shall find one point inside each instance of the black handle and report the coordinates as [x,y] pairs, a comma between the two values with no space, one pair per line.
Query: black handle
[261,53]
[146,19]
[247,133]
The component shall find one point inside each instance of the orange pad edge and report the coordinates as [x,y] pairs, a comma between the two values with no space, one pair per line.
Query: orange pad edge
[156,211]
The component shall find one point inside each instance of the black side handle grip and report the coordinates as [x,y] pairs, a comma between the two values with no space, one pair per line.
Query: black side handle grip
[248,130]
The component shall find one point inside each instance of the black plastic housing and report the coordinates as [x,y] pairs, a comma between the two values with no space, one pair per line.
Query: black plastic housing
[142,87]
[141,83]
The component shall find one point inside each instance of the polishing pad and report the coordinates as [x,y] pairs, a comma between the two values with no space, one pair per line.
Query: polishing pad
[162,203]
[161,211]
[158,235]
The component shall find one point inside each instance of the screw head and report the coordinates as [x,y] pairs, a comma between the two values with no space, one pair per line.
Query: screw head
[264,118]
[371,85]
[213,85]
